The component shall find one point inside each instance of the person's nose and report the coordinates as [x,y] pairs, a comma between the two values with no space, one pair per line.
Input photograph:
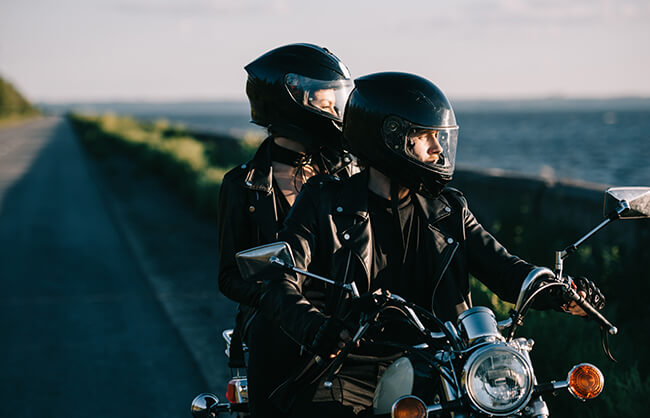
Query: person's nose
[434,145]
[331,108]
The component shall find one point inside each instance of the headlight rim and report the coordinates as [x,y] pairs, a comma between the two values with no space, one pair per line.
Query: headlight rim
[473,360]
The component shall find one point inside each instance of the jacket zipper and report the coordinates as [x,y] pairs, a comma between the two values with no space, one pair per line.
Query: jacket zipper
[442,273]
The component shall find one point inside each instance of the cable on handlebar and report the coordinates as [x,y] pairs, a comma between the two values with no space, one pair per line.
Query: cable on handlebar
[524,308]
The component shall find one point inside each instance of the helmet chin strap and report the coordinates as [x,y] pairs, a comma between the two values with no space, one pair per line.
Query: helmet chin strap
[289,157]
[298,160]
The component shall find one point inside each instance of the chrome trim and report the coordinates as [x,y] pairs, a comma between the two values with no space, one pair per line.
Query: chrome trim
[227,335]
[432,409]
[207,405]
[241,389]
[537,408]
[415,319]
[563,384]
[506,323]
[530,279]
[478,324]
[528,368]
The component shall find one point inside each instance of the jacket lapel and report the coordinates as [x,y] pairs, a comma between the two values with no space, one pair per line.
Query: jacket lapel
[352,224]
[444,244]
[259,181]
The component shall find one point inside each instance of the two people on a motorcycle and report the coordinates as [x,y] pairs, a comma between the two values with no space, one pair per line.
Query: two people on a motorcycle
[394,226]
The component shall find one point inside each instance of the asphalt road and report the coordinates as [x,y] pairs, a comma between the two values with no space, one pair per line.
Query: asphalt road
[81,332]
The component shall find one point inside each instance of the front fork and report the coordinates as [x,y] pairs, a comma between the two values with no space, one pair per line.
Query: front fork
[536,408]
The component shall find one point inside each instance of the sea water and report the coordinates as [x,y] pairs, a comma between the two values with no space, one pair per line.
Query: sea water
[608,147]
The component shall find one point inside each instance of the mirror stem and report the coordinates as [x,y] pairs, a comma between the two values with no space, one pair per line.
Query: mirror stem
[350,287]
[561,255]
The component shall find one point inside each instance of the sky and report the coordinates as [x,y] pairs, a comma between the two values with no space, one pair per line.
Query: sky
[175,50]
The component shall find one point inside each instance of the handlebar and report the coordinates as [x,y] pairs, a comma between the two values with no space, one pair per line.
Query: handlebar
[590,310]
[381,300]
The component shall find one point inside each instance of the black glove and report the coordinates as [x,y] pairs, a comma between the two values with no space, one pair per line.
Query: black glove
[594,295]
[328,338]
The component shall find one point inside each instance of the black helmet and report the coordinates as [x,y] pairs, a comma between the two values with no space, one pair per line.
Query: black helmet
[299,91]
[403,125]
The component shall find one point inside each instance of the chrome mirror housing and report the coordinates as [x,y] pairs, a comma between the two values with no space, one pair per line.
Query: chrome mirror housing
[203,404]
[636,198]
[254,260]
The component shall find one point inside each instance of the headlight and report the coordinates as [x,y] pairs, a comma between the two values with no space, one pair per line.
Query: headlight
[498,380]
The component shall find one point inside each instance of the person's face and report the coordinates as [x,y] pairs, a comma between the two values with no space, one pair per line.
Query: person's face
[423,144]
[325,100]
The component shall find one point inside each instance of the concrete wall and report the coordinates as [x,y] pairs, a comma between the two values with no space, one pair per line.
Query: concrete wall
[558,212]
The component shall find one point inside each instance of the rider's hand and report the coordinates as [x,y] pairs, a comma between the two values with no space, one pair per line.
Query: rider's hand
[331,337]
[588,290]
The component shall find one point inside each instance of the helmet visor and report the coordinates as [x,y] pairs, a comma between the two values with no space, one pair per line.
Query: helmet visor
[431,147]
[324,97]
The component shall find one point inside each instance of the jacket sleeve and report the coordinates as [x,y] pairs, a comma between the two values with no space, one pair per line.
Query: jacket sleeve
[235,234]
[489,261]
[283,299]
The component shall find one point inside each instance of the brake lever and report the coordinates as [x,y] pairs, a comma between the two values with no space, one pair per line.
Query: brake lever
[604,343]
[591,311]
[606,327]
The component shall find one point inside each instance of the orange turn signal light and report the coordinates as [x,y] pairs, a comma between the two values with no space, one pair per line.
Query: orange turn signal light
[586,381]
[409,407]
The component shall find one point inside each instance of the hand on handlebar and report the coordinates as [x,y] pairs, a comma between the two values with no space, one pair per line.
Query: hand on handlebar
[587,290]
[332,336]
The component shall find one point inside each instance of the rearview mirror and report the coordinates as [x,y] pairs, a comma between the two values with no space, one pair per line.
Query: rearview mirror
[254,260]
[637,198]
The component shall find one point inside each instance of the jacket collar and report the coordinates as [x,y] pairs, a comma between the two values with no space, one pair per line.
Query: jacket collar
[434,209]
[259,176]
[353,200]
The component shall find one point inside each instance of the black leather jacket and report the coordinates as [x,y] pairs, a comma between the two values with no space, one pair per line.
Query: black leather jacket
[330,234]
[248,217]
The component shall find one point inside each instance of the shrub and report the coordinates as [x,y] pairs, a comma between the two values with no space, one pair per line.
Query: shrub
[193,167]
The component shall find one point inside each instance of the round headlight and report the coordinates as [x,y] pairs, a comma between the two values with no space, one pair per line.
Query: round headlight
[498,379]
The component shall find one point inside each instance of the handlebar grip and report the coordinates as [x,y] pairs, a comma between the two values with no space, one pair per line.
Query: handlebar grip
[593,312]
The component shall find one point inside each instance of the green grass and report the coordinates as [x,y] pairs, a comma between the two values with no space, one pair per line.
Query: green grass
[193,168]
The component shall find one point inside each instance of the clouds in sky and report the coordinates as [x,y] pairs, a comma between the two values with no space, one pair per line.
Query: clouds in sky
[184,49]
[201,9]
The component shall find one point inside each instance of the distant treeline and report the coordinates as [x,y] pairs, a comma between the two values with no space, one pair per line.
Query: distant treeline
[13,104]
[182,109]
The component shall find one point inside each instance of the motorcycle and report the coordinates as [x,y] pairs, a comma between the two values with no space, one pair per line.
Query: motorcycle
[475,367]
